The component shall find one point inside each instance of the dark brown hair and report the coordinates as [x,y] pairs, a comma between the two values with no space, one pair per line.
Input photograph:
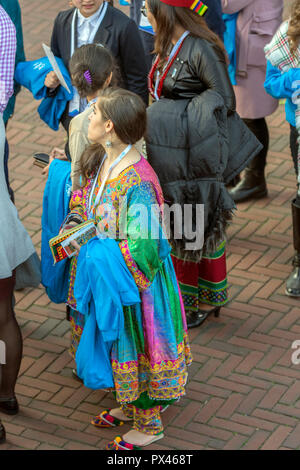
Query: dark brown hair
[294,27]
[90,160]
[127,112]
[100,63]
[167,17]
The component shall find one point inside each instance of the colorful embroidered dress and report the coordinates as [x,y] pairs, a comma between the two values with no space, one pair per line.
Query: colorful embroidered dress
[152,355]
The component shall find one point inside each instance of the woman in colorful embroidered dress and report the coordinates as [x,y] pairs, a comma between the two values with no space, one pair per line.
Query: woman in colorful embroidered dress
[150,359]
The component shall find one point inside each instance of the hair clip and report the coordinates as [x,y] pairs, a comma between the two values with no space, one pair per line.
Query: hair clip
[198,7]
[87,76]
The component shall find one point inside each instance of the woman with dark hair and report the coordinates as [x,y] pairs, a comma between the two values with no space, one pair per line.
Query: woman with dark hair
[92,68]
[192,129]
[149,358]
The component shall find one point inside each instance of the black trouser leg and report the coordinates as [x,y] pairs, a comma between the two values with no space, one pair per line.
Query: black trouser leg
[10,335]
[293,282]
[253,185]
[260,130]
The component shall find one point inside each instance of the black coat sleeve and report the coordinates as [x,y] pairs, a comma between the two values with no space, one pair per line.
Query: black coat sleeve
[133,62]
[55,38]
[56,51]
[213,17]
[208,63]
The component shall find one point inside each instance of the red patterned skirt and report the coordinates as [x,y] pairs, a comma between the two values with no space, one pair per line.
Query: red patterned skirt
[203,282]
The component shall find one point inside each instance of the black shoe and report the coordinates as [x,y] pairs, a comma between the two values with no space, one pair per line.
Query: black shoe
[195,319]
[252,186]
[293,282]
[9,407]
[2,434]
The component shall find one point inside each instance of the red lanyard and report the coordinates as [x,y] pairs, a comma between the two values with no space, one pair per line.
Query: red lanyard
[162,78]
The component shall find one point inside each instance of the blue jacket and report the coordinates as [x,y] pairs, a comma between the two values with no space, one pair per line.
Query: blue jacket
[55,277]
[230,44]
[12,7]
[32,76]
[283,85]
[103,285]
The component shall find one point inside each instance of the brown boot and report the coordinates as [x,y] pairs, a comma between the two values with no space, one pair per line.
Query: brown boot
[252,186]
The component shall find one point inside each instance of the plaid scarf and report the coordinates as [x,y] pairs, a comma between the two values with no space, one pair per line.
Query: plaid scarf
[278,50]
[278,53]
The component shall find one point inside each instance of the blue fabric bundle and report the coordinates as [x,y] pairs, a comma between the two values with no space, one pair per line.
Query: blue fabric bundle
[32,76]
[55,277]
[230,44]
[103,285]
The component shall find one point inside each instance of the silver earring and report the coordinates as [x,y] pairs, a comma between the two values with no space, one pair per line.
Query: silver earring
[108,143]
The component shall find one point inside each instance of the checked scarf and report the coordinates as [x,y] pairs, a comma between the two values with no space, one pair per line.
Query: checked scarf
[279,54]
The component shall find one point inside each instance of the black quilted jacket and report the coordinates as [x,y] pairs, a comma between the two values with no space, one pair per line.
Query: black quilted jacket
[196,142]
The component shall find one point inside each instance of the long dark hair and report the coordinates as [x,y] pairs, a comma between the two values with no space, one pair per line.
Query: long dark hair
[167,17]
[127,111]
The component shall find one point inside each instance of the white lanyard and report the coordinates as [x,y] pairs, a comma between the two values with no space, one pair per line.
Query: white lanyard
[90,103]
[102,12]
[115,163]
[172,53]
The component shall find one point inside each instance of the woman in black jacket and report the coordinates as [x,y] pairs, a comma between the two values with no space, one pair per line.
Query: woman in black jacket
[192,128]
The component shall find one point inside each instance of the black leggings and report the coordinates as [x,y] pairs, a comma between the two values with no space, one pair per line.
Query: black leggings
[10,334]
[294,146]
[260,130]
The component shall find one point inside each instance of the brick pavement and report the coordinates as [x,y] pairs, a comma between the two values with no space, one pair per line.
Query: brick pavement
[243,391]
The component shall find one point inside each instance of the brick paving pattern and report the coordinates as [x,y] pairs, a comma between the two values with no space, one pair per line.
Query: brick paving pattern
[243,391]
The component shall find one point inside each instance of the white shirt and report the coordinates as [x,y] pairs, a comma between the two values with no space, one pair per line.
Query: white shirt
[85,26]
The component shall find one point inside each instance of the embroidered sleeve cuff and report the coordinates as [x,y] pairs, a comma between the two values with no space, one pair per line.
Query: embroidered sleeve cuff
[140,279]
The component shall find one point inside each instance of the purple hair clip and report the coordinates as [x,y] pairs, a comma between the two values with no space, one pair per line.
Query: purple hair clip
[87,76]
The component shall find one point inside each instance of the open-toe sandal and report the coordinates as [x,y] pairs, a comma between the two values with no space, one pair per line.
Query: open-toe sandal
[119,444]
[106,420]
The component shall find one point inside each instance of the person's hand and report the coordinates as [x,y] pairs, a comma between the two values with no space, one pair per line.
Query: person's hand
[51,80]
[56,154]
[60,154]
[75,244]
[70,225]
[46,169]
